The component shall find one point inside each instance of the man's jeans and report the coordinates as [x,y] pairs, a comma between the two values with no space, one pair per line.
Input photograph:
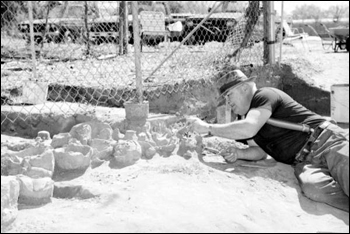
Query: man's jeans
[324,175]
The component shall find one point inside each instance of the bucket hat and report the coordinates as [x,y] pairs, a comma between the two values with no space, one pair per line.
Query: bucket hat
[231,80]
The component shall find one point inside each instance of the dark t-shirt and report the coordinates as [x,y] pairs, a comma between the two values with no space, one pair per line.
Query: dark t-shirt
[280,143]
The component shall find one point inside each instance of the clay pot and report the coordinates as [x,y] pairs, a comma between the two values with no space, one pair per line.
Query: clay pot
[136,115]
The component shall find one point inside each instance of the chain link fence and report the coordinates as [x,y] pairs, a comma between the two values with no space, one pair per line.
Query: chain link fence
[82,52]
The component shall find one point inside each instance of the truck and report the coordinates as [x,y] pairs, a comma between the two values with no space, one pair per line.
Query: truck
[106,28]
[221,23]
[65,22]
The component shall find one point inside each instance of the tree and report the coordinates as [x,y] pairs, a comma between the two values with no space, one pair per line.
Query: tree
[10,10]
[308,12]
[195,7]
[337,12]
[176,7]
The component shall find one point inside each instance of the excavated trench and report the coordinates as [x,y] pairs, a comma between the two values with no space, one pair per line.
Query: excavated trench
[194,97]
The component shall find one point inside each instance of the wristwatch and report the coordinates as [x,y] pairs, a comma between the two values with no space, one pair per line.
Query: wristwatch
[210,129]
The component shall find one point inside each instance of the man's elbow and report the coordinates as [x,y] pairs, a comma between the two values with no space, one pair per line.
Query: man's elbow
[263,155]
[251,132]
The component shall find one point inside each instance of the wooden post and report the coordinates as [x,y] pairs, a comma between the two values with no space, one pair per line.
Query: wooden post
[87,39]
[266,50]
[123,28]
[137,51]
[120,23]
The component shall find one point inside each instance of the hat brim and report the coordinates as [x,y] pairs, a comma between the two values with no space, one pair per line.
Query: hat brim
[221,97]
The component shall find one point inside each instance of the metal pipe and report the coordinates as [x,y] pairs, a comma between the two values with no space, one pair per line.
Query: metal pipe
[137,51]
[288,125]
[32,42]
[271,11]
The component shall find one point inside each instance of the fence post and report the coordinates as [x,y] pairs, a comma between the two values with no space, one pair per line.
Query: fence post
[281,44]
[269,31]
[137,51]
[32,43]
[87,40]
[123,27]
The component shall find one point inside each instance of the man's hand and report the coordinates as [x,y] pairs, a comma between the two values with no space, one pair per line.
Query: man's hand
[198,125]
[230,154]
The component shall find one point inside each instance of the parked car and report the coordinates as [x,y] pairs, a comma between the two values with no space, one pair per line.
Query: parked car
[217,27]
[64,23]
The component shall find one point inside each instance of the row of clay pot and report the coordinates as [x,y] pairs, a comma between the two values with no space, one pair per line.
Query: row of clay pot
[31,170]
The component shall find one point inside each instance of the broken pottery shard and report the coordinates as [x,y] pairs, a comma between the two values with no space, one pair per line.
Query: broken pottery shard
[12,165]
[32,151]
[166,150]
[9,197]
[105,133]
[188,154]
[73,157]
[46,160]
[116,135]
[160,140]
[146,129]
[127,152]
[148,151]
[44,135]
[100,130]
[81,132]
[130,135]
[37,172]
[40,166]
[35,191]
[142,136]
[60,140]
[102,149]
[35,162]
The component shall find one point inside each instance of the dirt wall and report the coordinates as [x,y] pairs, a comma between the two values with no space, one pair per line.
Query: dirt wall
[197,97]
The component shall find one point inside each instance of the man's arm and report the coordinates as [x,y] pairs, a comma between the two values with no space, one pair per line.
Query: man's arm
[253,153]
[240,129]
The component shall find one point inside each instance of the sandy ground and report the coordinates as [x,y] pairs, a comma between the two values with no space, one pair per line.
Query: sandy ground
[177,195]
[197,195]
[326,66]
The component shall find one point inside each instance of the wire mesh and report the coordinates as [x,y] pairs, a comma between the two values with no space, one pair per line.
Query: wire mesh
[84,52]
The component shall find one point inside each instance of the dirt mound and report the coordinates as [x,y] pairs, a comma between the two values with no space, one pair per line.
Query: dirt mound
[177,195]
